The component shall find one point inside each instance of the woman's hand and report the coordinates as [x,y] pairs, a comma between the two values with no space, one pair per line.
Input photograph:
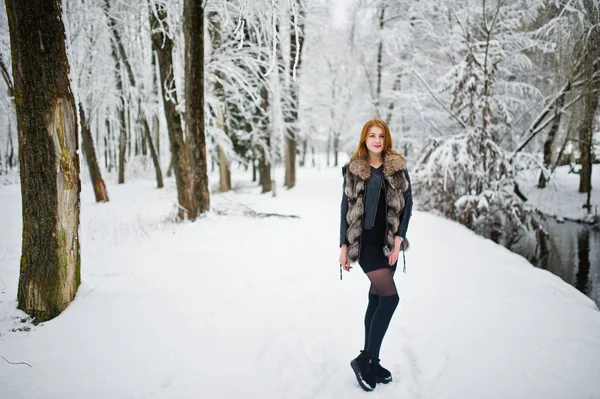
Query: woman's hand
[344,258]
[393,257]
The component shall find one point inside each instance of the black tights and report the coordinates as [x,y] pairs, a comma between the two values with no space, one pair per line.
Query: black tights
[383,300]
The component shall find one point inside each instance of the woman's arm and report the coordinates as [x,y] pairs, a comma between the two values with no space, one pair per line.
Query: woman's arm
[344,212]
[406,214]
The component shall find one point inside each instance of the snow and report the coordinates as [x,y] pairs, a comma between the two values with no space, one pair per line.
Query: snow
[234,306]
[561,197]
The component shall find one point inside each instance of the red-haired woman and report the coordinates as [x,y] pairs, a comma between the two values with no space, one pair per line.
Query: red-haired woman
[375,211]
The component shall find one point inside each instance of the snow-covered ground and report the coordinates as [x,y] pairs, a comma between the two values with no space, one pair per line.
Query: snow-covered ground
[241,306]
[561,198]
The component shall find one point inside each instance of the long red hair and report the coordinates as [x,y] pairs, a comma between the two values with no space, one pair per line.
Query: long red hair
[362,151]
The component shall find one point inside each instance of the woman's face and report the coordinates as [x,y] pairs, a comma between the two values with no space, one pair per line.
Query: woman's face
[375,139]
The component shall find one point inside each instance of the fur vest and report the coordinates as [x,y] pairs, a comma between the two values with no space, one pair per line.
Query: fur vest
[358,172]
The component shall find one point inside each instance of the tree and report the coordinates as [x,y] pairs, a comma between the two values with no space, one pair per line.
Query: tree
[193,29]
[48,143]
[162,44]
[291,113]
[591,56]
[470,177]
[215,34]
[121,60]
[116,43]
[89,152]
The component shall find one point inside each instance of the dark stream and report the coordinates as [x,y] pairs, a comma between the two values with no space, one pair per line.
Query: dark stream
[574,256]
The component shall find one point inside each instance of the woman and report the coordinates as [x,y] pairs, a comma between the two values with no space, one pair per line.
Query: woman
[376,209]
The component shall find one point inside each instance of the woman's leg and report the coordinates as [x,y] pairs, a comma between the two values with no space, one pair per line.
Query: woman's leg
[371,308]
[382,281]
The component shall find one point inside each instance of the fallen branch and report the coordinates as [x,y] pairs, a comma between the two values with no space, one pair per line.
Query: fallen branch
[9,362]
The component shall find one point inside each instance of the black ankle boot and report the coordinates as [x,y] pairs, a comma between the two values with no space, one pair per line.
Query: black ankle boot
[364,368]
[382,375]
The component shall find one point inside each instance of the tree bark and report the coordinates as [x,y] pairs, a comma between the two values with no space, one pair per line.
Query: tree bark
[163,45]
[89,152]
[48,142]
[193,29]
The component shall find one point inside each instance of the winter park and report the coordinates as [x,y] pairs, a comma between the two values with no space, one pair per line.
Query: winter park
[300,199]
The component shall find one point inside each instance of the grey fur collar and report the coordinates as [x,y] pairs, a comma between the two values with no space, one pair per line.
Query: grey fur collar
[391,164]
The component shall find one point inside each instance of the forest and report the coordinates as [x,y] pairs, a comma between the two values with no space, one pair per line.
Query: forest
[479,95]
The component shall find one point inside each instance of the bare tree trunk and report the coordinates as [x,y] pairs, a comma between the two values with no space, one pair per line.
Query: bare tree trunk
[108,147]
[264,161]
[291,119]
[379,61]
[10,93]
[89,152]
[163,45]
[264,169]
[193,29]
[156,129]
[153,154]
[336,148]
[12,162]
[592,70]
[122,131]
[329,139]
[585,141]
[48,143]
[304,149]
[170,168]
[224,172]
[6,77]
[549,143]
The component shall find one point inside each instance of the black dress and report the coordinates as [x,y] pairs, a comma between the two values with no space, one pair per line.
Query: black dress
[371,255]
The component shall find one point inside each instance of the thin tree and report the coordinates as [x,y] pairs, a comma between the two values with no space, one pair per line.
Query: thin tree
[89,152]
[48,143]
[291,119]
[590,98]
[162,44]
[221,109]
